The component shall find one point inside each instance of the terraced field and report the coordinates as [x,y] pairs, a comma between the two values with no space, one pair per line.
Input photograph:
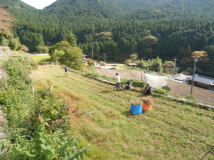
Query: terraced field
[101,115]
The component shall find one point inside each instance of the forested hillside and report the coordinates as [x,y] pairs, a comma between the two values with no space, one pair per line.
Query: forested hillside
[151,28]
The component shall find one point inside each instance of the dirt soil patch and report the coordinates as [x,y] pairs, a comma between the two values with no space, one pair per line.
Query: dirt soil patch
[123,73]
[184,90]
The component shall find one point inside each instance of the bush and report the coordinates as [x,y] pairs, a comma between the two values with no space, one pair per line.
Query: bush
[23,48]
[160,91]
[135,83]
[42,49]
[38,124]
[167,88]
[14,43]
[90,62]
[191,98]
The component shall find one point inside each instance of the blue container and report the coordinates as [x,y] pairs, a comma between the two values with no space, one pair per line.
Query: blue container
[136,109]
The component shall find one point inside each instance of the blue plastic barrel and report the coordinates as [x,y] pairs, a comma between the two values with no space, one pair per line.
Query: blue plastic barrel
[136,109]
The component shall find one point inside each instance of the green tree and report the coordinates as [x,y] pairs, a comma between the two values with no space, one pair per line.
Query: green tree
[133,57]
[157,65]
[71,39]
[42,49]
[187,52]
[72,57]
[14,43]
[150,43]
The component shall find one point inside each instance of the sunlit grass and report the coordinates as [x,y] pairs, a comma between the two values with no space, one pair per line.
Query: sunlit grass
[171,130]
[41,58]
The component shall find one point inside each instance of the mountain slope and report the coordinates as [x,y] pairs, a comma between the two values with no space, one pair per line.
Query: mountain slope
[20,10]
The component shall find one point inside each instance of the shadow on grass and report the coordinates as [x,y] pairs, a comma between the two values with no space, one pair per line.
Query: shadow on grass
[109,91]
[128,114]
[113,90]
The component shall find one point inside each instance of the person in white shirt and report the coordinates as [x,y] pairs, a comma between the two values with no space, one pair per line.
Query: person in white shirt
[118,82]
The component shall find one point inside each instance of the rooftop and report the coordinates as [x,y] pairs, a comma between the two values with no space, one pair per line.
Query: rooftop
[202,79]
[132,64]
[181,77]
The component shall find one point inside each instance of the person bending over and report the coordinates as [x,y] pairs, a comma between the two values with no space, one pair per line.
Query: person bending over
[128,84]
[148,90]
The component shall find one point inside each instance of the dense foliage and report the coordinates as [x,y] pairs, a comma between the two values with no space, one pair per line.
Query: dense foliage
[150,28]
[67,53]
[38,122]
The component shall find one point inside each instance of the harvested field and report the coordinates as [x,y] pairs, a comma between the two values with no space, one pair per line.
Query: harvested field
[184,90]
[124,73]
[179,89]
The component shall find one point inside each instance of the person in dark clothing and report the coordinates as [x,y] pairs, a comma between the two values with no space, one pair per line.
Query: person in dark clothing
[148,90]
[128,84]
[66,70]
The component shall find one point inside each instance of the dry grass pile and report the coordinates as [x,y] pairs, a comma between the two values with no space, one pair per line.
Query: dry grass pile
[141,100]
[146,100]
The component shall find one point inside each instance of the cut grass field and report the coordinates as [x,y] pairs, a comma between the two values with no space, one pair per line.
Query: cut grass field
[101,114]
[40,59]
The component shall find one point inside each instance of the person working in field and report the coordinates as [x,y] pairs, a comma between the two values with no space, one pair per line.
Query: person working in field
[128,84]
[66,70]
[148,90]
[118,82]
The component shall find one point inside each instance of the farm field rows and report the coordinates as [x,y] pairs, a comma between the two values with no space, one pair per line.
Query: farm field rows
[101,115]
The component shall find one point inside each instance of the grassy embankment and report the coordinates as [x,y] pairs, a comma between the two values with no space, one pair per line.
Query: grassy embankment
[171,130]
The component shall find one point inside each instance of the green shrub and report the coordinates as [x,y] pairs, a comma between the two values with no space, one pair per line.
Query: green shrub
[38,124]
[108,78]
[42,49]
[135,83]
[191,98]
[23,48]
[14,43]
[167,88]
[160,91]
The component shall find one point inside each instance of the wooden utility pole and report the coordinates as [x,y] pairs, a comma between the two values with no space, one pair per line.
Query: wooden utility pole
[104,55]
[195,60]
[92,52]
[175,65]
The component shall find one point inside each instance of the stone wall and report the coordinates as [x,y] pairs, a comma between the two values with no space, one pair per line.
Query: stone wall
[5,52]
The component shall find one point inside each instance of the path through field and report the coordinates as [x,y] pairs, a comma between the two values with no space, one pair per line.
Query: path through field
[171,130]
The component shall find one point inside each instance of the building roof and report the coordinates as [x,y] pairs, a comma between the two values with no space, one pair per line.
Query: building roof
[202,79]
[181,77]
[132,64]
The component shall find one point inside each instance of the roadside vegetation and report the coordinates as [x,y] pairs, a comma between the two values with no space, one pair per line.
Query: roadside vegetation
[38,123]
[172,130]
